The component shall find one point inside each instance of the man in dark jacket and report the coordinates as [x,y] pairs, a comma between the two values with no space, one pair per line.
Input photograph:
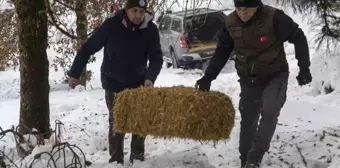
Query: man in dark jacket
[256,33]
[130,39]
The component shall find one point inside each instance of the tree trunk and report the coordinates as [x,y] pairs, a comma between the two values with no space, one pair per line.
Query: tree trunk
[81,31]
[34,66]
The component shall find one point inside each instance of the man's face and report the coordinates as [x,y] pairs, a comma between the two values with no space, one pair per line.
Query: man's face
[136,15]
[245,13]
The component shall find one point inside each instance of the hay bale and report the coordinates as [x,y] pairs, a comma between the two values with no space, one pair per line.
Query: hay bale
[174,112]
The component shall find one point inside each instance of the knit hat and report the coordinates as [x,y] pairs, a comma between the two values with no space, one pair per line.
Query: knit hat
[247,3]
[135,3]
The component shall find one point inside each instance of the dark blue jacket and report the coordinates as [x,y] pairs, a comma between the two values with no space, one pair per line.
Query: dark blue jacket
[127,49]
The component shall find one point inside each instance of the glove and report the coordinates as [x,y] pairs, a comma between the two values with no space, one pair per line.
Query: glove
[304,76]
[203,84]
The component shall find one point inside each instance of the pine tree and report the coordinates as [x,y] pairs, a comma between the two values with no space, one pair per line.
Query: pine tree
[326,20]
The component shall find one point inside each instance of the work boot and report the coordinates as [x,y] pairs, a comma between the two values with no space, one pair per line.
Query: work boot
[139,157]
[252,165]
[137,148]
[119,161]
[243,161]
[116,146]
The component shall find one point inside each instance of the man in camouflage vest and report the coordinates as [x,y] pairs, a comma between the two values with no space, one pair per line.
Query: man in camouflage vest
[256,33]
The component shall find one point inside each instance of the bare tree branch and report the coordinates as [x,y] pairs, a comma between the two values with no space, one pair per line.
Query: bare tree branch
[55,23]
[65,4]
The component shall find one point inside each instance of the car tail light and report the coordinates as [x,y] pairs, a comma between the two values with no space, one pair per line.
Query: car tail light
[183,42]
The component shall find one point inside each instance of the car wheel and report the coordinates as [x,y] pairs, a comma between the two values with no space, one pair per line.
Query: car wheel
[168,65]
[196,65]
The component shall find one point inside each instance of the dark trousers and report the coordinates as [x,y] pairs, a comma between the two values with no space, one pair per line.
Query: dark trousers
[116,140]
[266,101]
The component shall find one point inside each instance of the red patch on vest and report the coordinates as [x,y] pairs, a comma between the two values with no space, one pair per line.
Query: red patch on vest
[263,39]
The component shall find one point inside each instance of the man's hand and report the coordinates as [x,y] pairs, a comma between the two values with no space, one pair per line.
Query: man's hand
[72,82]
[148,83]
[203,84]
[304,76]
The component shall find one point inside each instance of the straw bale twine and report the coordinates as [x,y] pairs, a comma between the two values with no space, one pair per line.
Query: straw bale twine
[174,112]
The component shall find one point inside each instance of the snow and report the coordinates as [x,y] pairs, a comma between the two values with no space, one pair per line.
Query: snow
[326,73]
[4,5]
[308,121]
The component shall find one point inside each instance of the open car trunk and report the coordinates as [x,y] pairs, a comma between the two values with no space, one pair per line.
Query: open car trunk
[201,31]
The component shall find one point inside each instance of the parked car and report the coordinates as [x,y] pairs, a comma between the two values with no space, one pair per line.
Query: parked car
[188,38]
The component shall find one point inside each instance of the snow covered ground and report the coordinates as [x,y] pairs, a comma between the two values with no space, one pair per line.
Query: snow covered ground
[309,121]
